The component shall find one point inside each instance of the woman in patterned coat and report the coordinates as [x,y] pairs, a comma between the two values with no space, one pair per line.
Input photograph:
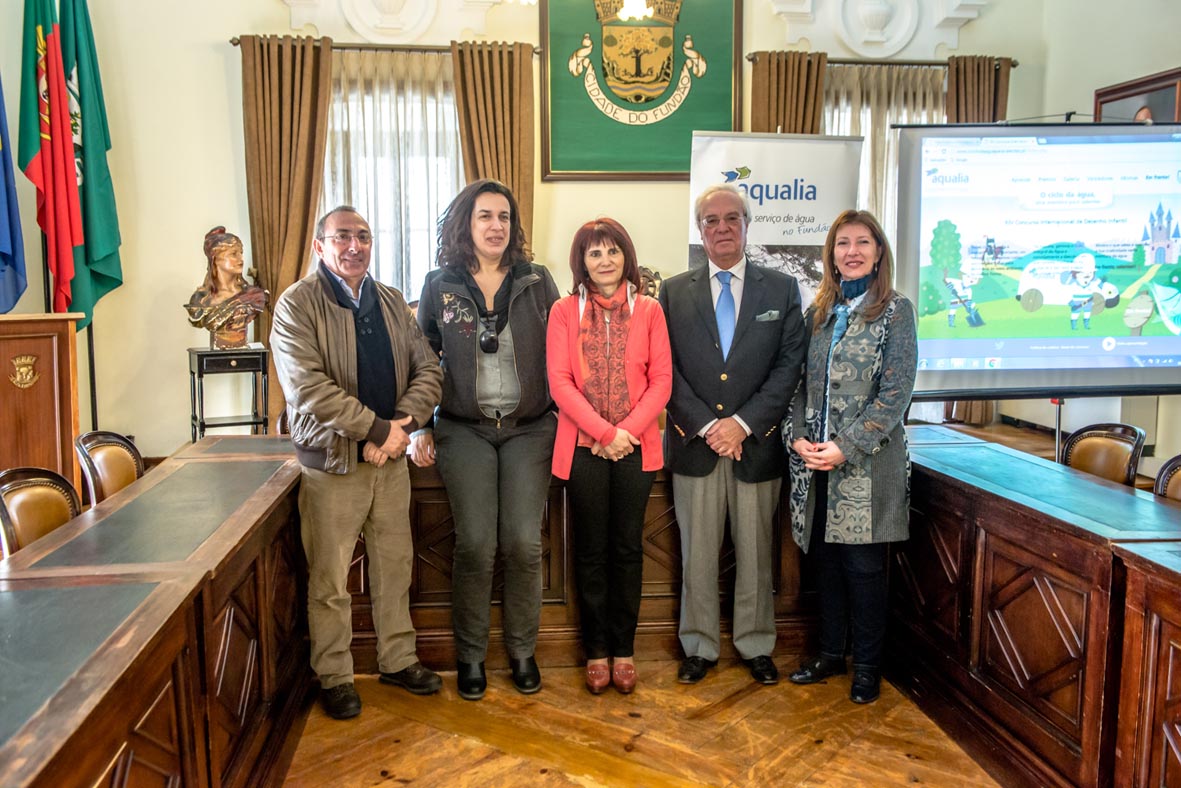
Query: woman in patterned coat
[849,466]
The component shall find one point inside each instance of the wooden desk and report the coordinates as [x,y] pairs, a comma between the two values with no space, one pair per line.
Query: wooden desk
[233,524]
[1147,751]
[927,434]
[99,680]
[1007,604]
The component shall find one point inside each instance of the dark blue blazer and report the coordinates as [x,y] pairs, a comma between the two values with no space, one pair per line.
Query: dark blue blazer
[755,382]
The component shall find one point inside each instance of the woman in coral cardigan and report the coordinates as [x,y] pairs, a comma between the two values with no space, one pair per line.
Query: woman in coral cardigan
[610,373]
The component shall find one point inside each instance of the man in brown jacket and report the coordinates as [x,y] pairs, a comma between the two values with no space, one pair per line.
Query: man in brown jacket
[358,377]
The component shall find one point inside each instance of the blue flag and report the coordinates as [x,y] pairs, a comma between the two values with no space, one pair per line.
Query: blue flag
[12,245]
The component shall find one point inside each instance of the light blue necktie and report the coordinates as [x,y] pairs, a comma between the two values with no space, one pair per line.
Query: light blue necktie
[725,313]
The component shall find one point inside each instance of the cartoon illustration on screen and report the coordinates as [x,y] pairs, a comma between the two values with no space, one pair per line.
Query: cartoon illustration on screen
[961,295]
[1070,283]
[1100,283]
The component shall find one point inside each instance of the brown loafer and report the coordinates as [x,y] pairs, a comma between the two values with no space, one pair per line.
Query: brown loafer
[623,676]
[598,676]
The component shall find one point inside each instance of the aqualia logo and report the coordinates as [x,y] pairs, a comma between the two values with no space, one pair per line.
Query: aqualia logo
[797,189]
[946,180]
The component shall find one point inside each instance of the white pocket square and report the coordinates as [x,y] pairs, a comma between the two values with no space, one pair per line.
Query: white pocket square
[770,314]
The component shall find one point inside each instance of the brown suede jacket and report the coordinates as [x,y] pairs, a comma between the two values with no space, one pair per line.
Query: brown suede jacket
[315,351]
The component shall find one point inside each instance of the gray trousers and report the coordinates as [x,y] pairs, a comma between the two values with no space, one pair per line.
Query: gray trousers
[702,503]
[333,510]
[497,482]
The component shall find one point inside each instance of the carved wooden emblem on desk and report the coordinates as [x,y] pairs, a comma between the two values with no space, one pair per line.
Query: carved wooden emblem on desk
[25,375]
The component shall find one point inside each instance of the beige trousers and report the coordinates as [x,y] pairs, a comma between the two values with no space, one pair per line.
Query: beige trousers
[334,509]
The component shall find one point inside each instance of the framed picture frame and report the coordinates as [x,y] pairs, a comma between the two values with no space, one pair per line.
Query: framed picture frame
[625,83]
[1156,97]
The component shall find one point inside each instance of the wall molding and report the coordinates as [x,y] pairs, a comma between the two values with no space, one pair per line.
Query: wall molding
[388,21]
[913,29]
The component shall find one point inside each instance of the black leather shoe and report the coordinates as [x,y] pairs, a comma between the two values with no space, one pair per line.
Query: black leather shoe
[526,676]
[818,669]
[763,670]
[471,680]
[341,702]
[867,685]
[415,678]
[693,669]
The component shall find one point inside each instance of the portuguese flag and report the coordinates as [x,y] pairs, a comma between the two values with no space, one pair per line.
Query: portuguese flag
[46,145]
[97,270]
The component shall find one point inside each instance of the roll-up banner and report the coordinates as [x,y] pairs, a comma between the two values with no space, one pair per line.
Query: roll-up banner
[796,185]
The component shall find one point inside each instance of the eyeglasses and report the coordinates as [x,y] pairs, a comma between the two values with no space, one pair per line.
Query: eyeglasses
[344,238]
[712,221]
[489,341]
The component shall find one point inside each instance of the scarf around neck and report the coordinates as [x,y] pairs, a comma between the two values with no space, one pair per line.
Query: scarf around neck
[603,332]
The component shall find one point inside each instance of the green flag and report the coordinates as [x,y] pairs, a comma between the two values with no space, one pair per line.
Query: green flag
[97,270]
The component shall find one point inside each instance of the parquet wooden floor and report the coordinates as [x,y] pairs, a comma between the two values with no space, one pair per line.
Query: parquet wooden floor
[725,731]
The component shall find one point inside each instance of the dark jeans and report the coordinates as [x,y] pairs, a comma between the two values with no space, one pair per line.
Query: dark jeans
[851,580]
[497,482]
[607,503]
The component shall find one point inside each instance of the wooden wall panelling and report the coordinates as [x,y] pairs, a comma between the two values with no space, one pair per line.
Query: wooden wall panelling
[931,588]
[559,639]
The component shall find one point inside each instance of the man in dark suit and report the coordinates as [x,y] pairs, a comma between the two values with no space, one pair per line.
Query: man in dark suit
[738,343]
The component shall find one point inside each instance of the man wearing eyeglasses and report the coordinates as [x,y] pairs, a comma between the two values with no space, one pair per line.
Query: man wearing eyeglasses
[358,377]
[738,341]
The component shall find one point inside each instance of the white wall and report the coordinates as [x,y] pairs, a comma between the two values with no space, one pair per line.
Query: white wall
[173,92]
[173,96]
[1092,44]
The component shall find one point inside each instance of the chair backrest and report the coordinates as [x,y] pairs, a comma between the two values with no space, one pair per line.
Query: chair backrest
[1168,479]
[110,462]
[1109,451]
[33,502]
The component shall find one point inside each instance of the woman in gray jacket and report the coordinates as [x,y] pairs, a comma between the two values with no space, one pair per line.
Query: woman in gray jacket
[484,311]
[849,466]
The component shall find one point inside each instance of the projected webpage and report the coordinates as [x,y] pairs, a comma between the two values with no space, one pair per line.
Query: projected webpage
[1050,252]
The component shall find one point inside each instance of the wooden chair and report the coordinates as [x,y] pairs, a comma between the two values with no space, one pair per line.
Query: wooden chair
[1109,451]
[1168,479]
[110,462]
[33,502]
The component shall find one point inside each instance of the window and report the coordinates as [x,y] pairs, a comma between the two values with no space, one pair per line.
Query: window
[866,101]
[393,153]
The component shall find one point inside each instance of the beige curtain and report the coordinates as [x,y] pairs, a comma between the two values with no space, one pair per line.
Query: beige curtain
[494,99]
[863,100]
[393,152]
[977,92]
[977,88]
[787,92]
[285,89]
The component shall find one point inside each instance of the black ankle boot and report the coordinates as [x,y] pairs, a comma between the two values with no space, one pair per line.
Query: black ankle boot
[471,680]
[526,676]
[818,669]
[867,684]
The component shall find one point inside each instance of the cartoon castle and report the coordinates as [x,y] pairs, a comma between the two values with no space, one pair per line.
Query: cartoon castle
[1162,238]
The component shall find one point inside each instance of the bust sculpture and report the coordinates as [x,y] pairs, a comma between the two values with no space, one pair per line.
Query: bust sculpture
[225,303]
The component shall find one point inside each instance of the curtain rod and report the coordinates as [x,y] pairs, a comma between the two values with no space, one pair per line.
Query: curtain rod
[387,47]
[753,57]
